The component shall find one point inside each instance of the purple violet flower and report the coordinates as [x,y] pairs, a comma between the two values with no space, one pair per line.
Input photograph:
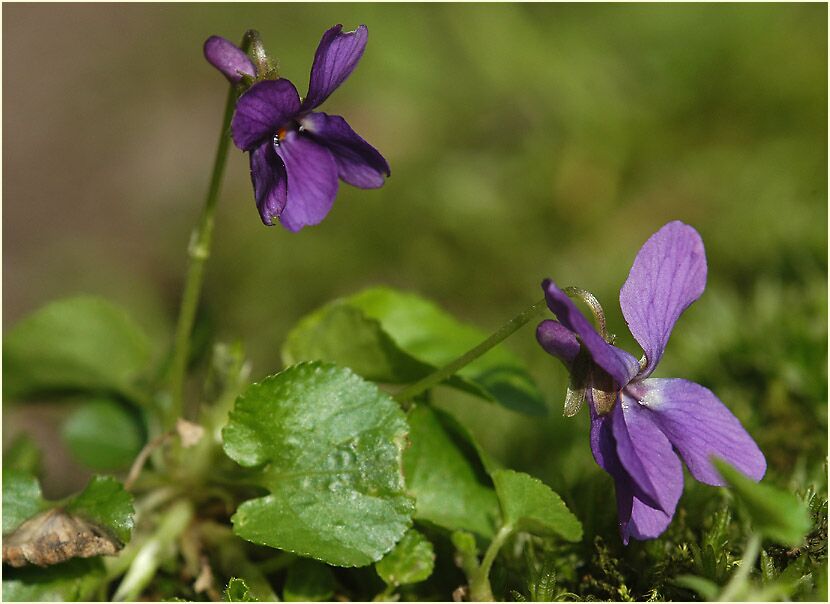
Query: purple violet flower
[297,154]
[638,423]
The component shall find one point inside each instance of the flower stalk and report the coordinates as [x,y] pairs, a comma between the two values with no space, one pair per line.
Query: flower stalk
[451,368]
[198,252]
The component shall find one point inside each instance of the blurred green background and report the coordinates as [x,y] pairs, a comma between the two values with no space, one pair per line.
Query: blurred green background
[525,141]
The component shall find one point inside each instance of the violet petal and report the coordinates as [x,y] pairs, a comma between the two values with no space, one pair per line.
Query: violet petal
[647,456]
[604,449]
[636,519]
[312,181]
[557,340]
[700,426]
[336,57]
[603,446]
[646,522]
[668,274]
[225,56]
[262,111]
[619,364]
[269,180]
[358,162]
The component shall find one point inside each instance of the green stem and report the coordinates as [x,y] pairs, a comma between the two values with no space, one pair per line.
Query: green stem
[480,590]
[386,595]
[150,555]
[738,581]
[450,369]
[198,252]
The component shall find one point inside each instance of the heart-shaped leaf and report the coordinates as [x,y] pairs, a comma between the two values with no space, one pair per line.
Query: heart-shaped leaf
[527,504]
[328,447]
[396,337]
[442,470]
[82,343]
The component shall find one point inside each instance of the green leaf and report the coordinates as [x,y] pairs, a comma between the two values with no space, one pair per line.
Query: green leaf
[73,581]
[81,343]
[412,561]
[30,526]
[237,591]
[344,335]
[22,498]
[434,336]
[23,454]
[397,337]
[442,470]
[462,434]
[105,502]
[705,588]
[103,434]
[308,581]
[327,445]
[776,514]
[527,504]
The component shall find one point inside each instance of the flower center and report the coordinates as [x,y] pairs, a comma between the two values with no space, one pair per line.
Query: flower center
[285,130]
[603,391]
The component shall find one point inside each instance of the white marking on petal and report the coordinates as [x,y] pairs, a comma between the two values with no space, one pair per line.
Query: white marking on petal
[651,398]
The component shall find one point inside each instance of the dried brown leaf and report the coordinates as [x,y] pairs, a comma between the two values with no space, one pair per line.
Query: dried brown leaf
[55,536]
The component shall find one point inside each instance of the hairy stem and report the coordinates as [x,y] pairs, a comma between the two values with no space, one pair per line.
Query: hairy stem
[198,252]
[480,590]
[450,369]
